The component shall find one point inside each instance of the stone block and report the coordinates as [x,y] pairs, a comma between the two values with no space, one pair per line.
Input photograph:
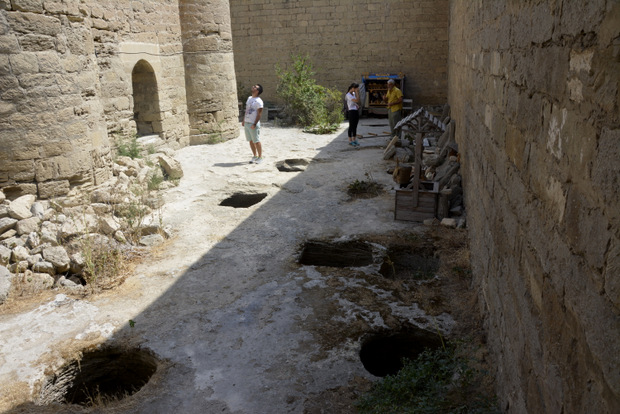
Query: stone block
[35,6]
[9,44]
[37,43]
[5,66]
[24,63]
[51,189]
[49,62]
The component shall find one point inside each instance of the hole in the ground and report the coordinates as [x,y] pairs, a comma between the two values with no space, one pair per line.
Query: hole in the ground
[101,377]
[242,200]
[292,165]
[407,263]
[342,254]
[383,354]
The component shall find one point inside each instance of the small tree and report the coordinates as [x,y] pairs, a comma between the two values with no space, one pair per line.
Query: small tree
[316,108]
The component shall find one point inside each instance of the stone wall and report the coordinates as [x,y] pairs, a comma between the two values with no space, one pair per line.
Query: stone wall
[75,75]
[534,92]
[344,39]
[210,69]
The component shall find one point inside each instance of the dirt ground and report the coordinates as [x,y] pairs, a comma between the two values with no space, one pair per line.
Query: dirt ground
[235,321]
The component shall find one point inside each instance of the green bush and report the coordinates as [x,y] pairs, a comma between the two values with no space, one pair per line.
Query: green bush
[438,381]
[316,108]
[128,147]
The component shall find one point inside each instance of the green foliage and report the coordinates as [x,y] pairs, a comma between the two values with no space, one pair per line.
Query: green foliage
[102,262]
[316,108]
[155,181]
[128,147]
[439,381]
[363,188]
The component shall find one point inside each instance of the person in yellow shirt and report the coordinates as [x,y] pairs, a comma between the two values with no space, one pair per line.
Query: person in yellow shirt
[394,99]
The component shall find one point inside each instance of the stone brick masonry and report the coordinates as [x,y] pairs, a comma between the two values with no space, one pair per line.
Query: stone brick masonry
[534,92]
[77,74]
[343,39]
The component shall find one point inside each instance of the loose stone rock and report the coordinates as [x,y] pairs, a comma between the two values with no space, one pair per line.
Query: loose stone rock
[20,207]
[171,166]
[44,267]
[34,240]
[20,253]
[5,283]
[5,255]
[7,223]
[8,234]
[27,226]
[449,222]
[58,256]
[151,240]
[49,231]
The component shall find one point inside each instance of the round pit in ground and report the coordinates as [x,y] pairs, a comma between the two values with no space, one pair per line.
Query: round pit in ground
[383,353]
[100,377]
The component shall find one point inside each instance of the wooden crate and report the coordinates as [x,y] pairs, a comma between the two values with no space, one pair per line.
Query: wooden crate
[426,208]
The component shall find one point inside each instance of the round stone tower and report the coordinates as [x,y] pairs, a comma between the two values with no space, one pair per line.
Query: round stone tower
[209,70]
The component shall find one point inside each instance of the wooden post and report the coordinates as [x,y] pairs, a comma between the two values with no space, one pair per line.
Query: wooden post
[418,168]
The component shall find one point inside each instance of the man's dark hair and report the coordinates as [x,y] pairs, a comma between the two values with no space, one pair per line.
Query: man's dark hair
[260,88]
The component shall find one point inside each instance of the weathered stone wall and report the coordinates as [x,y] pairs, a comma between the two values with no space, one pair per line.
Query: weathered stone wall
[77,74]
[209,69]
[343,39]
[52,131]
[534,92]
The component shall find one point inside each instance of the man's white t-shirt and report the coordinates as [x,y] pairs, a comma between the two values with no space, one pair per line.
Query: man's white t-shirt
[251,107]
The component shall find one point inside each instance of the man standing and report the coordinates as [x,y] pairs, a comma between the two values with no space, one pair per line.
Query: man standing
[394,98]
[251,123]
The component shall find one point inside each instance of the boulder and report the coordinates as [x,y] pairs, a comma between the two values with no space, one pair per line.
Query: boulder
[171,166]
[57,255]
[5,255]
[20,207]
[49,233]
[8,234]
[7,223]
[34,240]
[109,224]
[44,267]
[151,240]
[27,226]
[20,253]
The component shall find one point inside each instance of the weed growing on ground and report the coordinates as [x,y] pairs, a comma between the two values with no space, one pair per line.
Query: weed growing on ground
[128,147]
[438,381]
[364,189]
[102,262]
[154,182]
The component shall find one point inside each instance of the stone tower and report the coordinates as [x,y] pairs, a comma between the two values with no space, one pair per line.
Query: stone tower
[209,69]
[78,76]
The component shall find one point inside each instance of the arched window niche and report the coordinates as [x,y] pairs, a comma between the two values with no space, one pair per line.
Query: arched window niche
[146,111]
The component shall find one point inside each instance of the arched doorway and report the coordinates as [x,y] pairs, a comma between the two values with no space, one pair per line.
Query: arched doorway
[146,110]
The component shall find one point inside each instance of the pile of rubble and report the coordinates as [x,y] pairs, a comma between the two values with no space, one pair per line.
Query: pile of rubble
[59,243]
